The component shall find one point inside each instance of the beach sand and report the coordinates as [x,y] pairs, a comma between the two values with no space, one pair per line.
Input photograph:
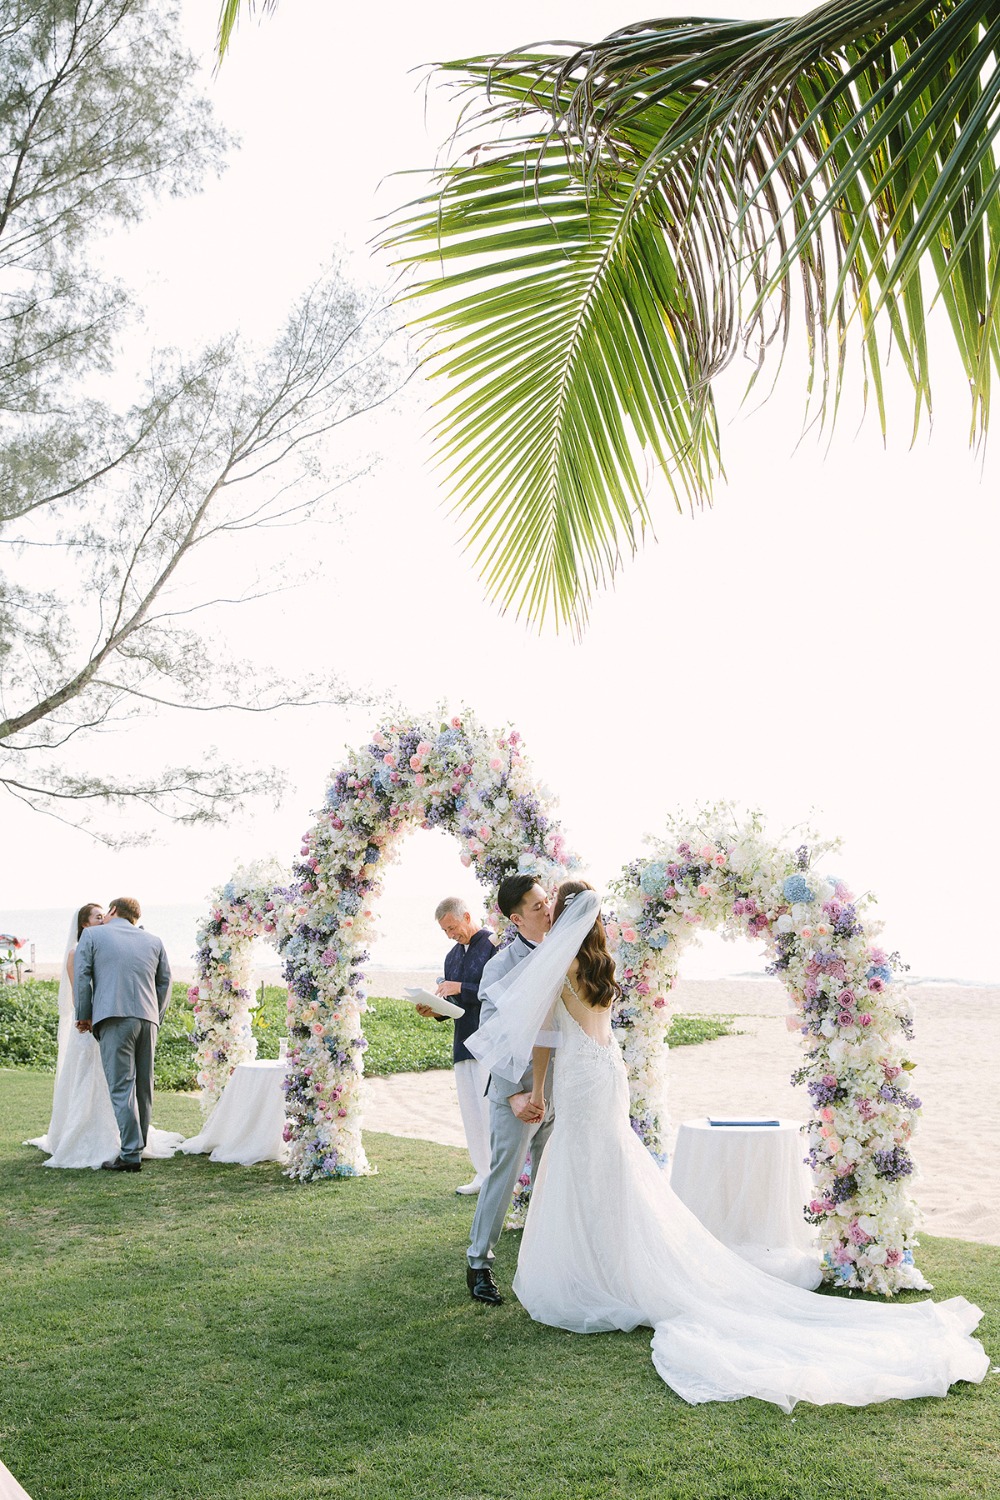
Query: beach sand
[956,1049]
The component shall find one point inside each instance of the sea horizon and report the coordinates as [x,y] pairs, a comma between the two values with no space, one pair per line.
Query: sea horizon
[409,943]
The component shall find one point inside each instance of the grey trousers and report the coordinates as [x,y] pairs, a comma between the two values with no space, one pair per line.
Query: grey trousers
[128,1046]
[509,1141]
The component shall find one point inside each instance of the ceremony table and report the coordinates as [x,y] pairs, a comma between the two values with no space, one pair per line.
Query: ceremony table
[247,1123]
[748,1186]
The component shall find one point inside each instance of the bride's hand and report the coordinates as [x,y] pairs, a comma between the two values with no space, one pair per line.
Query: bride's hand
[525,1108]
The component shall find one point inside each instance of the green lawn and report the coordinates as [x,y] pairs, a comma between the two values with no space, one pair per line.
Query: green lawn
[219,1333]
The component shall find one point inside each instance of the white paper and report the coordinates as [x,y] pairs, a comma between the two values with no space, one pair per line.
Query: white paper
[439,1006]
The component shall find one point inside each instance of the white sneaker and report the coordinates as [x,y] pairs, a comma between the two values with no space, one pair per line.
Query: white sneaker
[470,1189]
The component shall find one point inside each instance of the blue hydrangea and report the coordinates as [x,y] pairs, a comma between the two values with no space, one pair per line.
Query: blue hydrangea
[880,971]
[795,889]
[659,939]
[653,879]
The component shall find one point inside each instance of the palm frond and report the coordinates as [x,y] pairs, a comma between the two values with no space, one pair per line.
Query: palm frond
[229,15]
[679,193]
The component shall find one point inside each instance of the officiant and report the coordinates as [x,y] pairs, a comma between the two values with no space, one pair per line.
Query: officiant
[463,969]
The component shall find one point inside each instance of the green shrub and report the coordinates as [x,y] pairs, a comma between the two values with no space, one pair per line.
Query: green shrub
[399,1041]
[29,1024]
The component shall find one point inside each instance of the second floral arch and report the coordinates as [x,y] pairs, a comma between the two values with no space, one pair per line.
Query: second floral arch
[713,872]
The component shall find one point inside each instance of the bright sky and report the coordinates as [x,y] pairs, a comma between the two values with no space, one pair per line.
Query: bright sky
[820,644]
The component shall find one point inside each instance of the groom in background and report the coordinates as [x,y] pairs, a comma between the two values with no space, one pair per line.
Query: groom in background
[121,988]
[513,1117]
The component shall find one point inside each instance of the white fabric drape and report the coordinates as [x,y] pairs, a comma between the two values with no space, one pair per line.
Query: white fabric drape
[525,995]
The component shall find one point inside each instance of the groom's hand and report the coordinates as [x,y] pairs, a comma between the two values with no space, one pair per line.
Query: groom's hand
[84,1026]
[524,1109]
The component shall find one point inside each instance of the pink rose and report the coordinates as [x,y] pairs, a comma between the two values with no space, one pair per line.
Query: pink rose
[659,1003]
[629,934]
[342,1113]
[456,723]
[642,988]
[420,779]
[415,762]
[707,852]
[317,1028]
[389,759]
[495,763]
[865,1019]
[424,748]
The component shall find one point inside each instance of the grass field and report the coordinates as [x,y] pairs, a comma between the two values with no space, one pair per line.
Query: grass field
[220,1333]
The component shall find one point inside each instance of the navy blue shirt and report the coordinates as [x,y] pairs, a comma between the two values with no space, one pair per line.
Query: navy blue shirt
[465,966]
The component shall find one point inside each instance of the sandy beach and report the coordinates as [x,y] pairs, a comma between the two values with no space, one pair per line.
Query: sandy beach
[956,1049]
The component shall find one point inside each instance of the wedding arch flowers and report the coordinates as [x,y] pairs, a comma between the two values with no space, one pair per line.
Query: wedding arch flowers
[443,772]
[254,903]
[846,1004]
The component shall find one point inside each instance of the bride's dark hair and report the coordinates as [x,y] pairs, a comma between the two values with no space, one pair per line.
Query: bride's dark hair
[83,916]
[596,977]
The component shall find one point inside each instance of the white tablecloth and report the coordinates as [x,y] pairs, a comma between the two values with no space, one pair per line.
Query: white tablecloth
[748,1186]
[247,1123]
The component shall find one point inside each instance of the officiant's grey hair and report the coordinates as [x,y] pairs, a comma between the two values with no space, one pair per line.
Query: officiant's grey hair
[451,906]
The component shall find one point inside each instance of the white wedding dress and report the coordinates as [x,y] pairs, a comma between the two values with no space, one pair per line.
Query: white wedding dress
[83,1131]
[608,1245]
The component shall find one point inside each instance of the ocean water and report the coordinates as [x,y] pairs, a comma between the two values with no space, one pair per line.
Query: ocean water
[407,939]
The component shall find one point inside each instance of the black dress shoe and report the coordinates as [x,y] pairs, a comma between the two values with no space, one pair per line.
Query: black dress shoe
[482,1287]
[118,1165]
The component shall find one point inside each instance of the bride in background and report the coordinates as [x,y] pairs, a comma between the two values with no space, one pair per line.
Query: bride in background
[83,1131]
[608,1245]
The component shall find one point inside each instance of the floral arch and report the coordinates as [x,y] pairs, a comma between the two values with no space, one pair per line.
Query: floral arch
[253,904]
[450,774]
[853,1020]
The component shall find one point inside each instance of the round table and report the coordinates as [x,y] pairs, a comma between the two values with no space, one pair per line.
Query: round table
[247,1125]
[748,1186]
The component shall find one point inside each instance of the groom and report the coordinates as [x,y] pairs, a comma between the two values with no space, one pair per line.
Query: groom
[513,1118]
[121,987]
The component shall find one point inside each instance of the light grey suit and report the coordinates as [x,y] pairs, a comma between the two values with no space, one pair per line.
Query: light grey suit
[509,1136]
[121,984]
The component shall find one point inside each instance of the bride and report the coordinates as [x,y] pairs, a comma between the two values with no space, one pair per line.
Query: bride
[83,1131]
[607,1244]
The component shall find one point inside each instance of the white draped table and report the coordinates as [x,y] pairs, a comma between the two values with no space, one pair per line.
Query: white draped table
[748,1185]
[247,1124]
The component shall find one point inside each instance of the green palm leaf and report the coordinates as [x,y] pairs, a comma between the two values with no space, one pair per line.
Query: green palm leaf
[676,193]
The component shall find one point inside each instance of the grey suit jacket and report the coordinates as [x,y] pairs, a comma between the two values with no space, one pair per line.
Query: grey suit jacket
[120,970]
[500,964]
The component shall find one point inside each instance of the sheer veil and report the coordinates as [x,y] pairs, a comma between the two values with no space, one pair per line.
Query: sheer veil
[67,1009]
[525,995]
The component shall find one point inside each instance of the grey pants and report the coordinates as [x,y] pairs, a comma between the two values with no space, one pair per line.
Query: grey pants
[128,1045]
[509,1141]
